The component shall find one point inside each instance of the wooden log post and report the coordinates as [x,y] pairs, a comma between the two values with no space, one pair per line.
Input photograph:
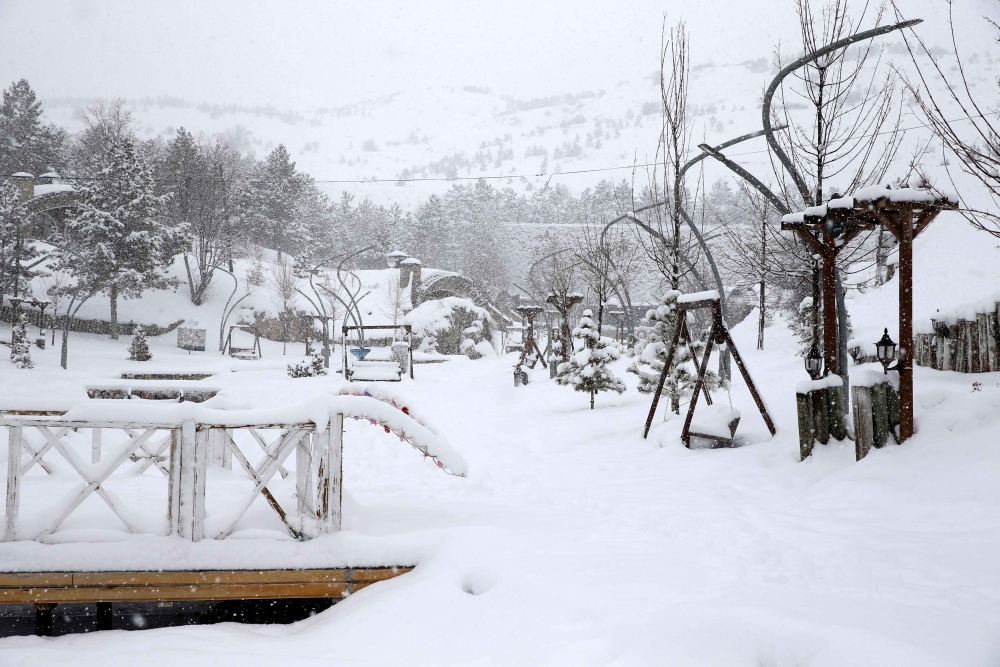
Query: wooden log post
[892,410]
[821,419]
[861,397]
[807,435]
[880,415]
[188,468]
[13,481]
[835,413]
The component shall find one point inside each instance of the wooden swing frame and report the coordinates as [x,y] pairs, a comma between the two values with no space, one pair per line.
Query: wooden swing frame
[719,334]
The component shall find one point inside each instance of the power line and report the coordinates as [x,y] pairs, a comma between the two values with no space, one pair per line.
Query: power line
[421,179]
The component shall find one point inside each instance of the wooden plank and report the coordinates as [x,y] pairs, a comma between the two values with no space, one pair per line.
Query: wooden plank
[991,341]
[984,347]
[206,577]
[373,574]
[863,427]
[975,360]
[29,579]
[165,593]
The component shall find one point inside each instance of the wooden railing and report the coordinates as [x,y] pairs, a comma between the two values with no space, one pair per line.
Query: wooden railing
[153,467]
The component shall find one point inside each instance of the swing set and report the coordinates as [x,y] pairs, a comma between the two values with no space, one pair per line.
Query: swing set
[714,429]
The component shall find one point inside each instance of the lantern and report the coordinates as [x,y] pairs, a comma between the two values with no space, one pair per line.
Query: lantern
[814,362]
[885,351]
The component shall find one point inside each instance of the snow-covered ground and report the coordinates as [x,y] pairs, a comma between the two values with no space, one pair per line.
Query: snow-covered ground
[573,541]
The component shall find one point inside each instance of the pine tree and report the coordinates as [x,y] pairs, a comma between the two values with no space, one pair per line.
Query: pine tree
[16,253]
[139,349]
[651,355]
[20,349]
[587,369]
[802,327]
[116,241]
[26,144]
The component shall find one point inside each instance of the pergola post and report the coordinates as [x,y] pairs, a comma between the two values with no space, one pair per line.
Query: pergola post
[905,363]
[830,301]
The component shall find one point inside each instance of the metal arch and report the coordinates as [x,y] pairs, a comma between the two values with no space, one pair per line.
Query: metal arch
[788,69]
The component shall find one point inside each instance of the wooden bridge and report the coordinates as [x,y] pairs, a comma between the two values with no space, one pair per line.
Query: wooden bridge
[168,470]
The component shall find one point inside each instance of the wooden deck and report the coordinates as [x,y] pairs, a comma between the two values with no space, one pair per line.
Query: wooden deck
[61,587]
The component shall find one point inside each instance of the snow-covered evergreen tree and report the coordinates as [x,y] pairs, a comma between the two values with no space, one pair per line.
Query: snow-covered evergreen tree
[139,349]
[587,369]
[651,355]
[20,348]
[802,326]
[25,144]
[16,252]
[116,240]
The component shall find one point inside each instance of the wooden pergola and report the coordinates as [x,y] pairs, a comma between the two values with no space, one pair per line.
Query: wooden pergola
[827,229]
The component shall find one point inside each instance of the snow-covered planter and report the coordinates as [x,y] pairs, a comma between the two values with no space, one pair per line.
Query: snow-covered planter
[451,326]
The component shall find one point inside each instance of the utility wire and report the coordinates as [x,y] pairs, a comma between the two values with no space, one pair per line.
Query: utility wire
[421,179]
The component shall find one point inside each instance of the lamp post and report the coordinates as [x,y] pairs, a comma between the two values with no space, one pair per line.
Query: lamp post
[814,362]
[885,351]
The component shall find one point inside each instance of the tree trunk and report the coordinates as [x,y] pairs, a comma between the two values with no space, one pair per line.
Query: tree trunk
[64,353]
[113,296]
[591,399]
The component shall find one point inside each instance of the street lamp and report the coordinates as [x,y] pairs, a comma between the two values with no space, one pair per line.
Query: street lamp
[885,351]
[814,362]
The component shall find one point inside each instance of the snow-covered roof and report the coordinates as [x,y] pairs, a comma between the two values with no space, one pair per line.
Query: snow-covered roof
[411,260]
[49,174]
[397,253]
[47,188]
[710,295]
[21,174]
[869,194]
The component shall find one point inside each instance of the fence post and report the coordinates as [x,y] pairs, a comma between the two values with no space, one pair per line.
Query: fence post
[13,480]
[303,478]
[188,467]
[95,445]
[329,475]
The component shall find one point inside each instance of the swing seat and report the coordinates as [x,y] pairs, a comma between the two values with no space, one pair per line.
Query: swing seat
[715,426]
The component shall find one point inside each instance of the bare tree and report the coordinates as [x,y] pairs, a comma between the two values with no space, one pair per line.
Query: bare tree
[964,125]
[850,132]
[284,280]
[395,307]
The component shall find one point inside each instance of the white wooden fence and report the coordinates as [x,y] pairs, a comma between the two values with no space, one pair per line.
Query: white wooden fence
[181,459]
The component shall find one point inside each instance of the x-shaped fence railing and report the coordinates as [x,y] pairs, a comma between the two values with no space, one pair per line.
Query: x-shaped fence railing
[182,455]
[180,443]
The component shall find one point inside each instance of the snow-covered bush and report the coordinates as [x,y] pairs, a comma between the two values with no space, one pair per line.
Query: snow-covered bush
[20,349]
[451,326]
[587,369]
[139,349]
[314,368]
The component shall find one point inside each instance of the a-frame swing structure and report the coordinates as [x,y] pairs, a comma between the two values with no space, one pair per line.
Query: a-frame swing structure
[529,343]
[719,334]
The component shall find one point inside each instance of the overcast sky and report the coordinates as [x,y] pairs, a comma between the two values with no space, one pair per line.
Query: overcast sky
[309,54]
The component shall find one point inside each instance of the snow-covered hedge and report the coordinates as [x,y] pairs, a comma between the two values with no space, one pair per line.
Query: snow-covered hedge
[451,326]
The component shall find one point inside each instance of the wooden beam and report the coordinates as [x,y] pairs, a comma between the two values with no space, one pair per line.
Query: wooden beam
[55,587]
